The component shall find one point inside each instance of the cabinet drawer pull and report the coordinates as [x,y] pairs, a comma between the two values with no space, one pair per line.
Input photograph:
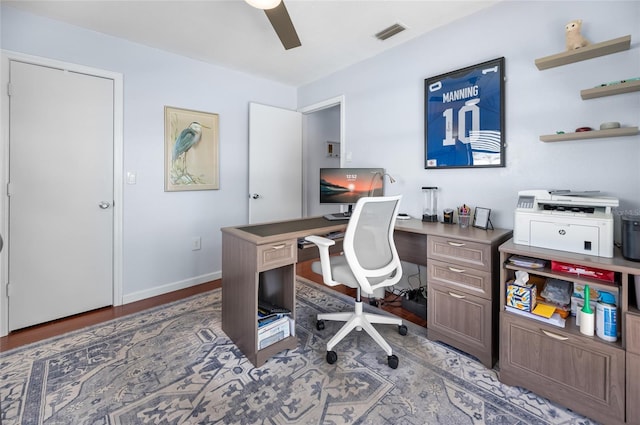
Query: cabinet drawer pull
[460,297]
[458,244]
[554,336]
[456,270]
[276,247]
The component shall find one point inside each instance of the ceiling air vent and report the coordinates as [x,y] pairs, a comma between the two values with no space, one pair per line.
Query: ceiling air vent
[390,32]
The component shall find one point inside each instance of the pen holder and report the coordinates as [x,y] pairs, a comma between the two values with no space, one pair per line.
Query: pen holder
[463,219]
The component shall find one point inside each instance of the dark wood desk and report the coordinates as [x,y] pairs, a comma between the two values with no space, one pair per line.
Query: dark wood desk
[258,262]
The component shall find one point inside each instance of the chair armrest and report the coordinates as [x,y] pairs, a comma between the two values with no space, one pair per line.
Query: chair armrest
[323,245]
[320,241]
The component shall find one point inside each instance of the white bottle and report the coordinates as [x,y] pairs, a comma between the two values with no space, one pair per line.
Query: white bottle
[606,318]
[587,316]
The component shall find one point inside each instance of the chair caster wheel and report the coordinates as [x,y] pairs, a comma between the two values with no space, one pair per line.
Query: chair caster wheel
[393,361]
[332,357]
[320,325]
[402,329]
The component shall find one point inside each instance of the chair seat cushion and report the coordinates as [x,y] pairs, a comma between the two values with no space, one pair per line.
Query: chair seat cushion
[341,272]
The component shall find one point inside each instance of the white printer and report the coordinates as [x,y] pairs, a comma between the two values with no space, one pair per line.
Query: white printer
[567,221]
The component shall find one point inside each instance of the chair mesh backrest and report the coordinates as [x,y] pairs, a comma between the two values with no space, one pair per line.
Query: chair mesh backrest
[368,243]
[371,238]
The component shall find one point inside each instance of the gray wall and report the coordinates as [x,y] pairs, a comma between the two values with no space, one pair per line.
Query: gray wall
[384,99]
[384,122]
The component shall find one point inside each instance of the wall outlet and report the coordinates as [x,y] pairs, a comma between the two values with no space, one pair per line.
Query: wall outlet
[195,244]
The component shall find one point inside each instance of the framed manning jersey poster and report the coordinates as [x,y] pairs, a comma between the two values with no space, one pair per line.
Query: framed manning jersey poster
[464,117]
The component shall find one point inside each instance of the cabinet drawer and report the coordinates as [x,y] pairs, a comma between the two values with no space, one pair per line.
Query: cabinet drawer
[577,372]
[633,333]
[460,252]
[277,254]
[462,317]
[476,282]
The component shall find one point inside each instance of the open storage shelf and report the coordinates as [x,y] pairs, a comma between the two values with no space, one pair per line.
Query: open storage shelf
[589,52]
[610,90]
[608,392]
[594,134]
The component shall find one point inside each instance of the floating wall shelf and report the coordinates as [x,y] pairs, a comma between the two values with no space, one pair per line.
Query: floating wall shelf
[589,52]
[594,134]
[626,87]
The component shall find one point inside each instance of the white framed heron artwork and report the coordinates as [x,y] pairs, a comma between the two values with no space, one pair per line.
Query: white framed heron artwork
[190,150]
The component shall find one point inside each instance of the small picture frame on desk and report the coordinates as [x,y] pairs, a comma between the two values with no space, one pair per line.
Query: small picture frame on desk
[481,218]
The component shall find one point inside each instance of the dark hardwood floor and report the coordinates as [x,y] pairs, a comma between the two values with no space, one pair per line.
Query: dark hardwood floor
[59,327]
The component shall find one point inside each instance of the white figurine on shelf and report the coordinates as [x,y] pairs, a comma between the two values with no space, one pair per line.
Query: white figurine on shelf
[574,39]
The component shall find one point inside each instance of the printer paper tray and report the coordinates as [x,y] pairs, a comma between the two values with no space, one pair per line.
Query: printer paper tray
[565,237]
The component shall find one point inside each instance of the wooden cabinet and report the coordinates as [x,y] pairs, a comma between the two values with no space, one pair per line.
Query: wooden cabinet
[633,367]
[253,272]
[578,372]
[584,373]
[461,302]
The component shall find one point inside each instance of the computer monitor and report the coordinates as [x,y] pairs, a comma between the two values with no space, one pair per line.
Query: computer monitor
[347,185]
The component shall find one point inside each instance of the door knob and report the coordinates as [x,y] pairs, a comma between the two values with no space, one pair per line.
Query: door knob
[255,196]
[104,205]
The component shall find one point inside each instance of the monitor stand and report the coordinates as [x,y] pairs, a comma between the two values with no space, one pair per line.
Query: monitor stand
[341,215]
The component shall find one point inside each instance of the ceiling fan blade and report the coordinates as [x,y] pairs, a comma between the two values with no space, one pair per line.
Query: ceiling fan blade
[281,22]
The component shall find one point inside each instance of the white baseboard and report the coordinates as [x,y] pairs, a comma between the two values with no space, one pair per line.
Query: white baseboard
[170,287]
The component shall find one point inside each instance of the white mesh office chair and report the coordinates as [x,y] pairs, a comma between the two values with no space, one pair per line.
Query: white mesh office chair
[369,264]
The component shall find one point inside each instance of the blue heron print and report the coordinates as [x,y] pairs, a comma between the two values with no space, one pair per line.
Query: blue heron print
[188,137]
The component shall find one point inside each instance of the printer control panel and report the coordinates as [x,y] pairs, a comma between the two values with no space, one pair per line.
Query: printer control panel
[525,202]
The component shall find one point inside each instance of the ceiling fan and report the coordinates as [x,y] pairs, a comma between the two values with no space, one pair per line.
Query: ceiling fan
[279,17]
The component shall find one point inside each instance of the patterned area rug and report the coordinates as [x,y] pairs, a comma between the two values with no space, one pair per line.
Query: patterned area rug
[174,365]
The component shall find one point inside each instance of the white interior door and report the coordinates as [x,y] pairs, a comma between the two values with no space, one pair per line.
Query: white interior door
[275,164]
[61,157]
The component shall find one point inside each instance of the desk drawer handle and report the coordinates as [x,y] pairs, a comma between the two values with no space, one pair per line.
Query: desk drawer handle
[275,247]
[460,297]
[554,336]
[456,270]
[457,244]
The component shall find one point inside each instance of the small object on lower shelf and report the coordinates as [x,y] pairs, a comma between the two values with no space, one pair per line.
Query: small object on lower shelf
[608,125]
[559,132]
[580,129]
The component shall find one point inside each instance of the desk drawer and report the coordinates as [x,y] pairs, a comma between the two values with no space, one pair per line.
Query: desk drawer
[463,318]
[460,252]
[472,281]
[277,254]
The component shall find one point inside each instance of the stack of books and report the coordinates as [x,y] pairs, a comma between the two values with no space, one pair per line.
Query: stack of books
[274,324]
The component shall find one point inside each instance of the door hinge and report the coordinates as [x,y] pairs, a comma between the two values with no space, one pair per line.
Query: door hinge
[8,290]
[9,189]
[9,89]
